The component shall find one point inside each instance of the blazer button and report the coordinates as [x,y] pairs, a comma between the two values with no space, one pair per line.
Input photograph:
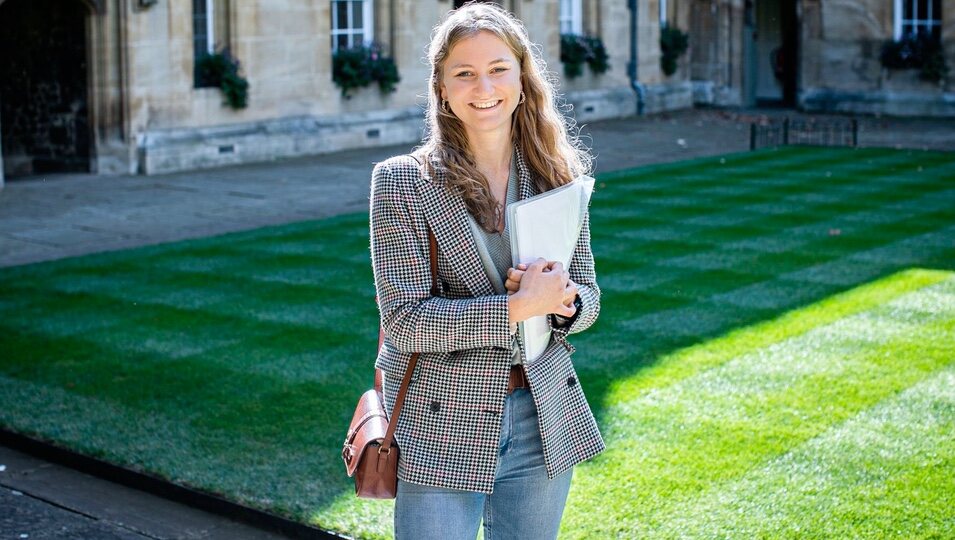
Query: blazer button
[435,406]
[571,381]
[445,287]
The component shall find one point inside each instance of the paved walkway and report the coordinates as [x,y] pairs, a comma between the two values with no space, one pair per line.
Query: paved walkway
[41,500]
[51,217]
[67,215]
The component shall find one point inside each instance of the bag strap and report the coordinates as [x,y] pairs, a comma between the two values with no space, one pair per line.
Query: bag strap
[403,389]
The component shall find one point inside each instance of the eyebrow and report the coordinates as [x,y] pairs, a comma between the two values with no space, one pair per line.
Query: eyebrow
[497,61]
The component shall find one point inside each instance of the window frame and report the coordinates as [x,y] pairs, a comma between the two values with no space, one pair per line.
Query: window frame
[368,23]
[931,22]
[572,12]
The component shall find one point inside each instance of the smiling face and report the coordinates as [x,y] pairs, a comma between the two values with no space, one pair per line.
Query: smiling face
[481,80]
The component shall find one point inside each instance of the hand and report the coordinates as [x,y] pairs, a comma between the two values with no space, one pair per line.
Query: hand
[541,290]
[513,283]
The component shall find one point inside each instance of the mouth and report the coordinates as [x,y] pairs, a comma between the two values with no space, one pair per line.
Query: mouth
[486,105]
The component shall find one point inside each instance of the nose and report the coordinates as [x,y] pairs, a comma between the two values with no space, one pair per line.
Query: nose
[484,86]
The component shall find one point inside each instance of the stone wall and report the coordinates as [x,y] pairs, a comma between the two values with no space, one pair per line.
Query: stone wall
[841,41]
[295,109]
[716,56]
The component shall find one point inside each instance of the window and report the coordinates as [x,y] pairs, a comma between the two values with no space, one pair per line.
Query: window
[210,29]
[571,19]
[913,17]
[203,29]
[352,23]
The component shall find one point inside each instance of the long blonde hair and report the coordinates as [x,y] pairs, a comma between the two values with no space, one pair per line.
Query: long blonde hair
[546,139]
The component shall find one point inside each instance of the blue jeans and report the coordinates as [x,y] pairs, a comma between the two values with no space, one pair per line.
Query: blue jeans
[525,504]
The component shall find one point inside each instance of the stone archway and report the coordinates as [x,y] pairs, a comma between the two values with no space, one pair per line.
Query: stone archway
[44,86]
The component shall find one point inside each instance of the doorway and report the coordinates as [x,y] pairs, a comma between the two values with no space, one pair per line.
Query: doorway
[773,65]
[44,113]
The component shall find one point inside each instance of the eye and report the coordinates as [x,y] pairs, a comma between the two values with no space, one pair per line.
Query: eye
[463,74]
[499,69]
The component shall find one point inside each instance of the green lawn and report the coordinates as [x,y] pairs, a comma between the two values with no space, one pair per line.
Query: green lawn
[775,357]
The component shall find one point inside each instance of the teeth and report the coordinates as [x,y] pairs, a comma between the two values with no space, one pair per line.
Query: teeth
[486,105]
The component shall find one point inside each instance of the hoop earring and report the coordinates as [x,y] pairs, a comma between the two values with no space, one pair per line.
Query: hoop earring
[523,98]
[444,105]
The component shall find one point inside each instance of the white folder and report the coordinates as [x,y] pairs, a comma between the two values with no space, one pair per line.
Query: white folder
[547,225]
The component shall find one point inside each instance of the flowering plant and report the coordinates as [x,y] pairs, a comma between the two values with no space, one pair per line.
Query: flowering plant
[575,50]
[222,69]
[673,43]
[916,51]
[362,65]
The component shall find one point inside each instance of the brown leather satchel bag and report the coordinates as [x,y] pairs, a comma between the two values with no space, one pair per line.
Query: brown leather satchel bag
[370,452]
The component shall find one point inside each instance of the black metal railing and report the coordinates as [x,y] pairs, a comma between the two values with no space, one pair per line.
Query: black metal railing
[808,131]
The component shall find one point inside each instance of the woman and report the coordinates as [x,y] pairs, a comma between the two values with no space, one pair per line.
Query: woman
[484,433]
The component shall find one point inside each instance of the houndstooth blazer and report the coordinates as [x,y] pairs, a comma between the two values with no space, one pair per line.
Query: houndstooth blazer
[449,427]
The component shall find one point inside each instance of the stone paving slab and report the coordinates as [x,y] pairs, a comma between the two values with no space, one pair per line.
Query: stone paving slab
[27,517]
[42,501]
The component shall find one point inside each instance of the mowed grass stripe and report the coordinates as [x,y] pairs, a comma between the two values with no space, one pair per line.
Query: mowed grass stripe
[867,227]
[673,367]
[792,171]
[148,321]
[857,480]
[218,297]
[760,159]
[682,440]
[330,236]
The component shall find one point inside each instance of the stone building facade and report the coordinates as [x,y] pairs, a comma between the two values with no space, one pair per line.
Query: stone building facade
[133,98]
[109,86]
[817,55]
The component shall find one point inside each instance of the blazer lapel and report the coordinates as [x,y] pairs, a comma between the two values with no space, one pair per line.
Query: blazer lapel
[447,216]
[524,177]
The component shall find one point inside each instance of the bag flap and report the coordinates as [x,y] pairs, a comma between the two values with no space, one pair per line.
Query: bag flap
[368,426]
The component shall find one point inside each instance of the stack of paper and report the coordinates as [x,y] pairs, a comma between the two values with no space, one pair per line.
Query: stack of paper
[547,225]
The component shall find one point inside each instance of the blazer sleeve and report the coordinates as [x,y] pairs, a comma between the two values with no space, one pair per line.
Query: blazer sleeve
[582,272]
[414,320]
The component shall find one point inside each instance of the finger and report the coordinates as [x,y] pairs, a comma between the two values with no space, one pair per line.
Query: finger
[537,266]
[556,266]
